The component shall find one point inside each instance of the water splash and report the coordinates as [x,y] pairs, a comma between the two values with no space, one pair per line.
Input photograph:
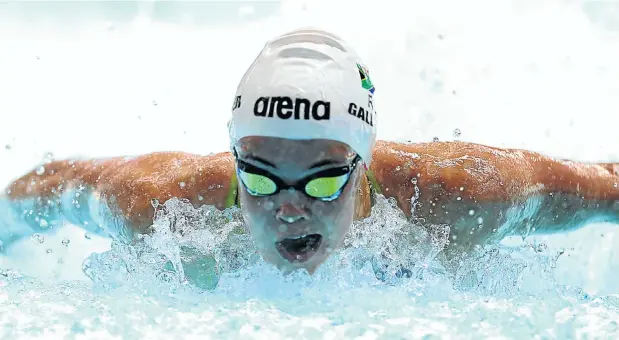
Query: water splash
[388,280]
[202,246]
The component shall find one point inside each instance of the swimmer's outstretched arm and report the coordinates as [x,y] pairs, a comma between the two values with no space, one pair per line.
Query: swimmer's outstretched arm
[481,192]
[487,193]
[110,196]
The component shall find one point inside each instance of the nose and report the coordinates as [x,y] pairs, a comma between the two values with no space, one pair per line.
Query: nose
[291,213]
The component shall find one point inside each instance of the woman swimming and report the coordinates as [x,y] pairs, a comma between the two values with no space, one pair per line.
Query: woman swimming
[304,164]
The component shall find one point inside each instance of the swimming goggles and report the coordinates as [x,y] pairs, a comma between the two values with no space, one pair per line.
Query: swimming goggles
[326,185]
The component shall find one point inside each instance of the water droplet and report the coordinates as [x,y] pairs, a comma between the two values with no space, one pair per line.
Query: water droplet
[181,184]
[48,158]
[457,133]
[435,139]
[37,238]
[480,220]
[48,250]
[40,170]
[66,242]
[398,168]
[540,247]
[269,205]
[200,198]
[615,185]
[458,198]
[87,236]
[471,212]
[461,188]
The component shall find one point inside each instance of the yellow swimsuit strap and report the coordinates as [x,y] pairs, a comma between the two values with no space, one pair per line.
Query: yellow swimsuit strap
[233,198]
[374,186]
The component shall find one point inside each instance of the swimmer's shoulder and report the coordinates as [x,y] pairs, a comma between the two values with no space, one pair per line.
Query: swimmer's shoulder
[396,167]
[134,182]
[197,178]
[440,169]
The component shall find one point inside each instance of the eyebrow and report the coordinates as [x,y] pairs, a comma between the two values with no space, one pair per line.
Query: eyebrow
[262,160]
[322,163]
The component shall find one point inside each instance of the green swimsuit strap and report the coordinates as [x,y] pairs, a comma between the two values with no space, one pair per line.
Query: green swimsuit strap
[373,182]
[233,199]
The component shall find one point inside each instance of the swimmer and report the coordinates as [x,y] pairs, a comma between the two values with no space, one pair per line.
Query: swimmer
[304,165]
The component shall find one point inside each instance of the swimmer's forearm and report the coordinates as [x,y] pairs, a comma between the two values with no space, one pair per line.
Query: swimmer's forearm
[573,195]
[86,192]
[592,182]
[47,197]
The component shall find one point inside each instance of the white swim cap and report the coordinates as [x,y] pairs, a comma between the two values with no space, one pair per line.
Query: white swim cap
[307,84]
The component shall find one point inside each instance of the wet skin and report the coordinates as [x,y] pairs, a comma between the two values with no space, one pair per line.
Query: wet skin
[482,193]
[291,213]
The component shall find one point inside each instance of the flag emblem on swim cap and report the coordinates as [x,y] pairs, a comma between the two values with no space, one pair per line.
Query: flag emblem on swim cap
[366,82]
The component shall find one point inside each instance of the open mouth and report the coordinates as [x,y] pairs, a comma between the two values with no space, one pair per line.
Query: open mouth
[299,249]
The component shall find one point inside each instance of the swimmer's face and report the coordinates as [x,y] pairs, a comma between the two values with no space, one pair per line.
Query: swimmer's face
[291,228]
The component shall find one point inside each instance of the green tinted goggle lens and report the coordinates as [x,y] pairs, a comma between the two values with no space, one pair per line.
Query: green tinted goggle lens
[326,185]
[321,187]
[258,184]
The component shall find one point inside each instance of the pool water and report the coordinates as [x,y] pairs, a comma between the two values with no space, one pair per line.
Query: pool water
[102,80]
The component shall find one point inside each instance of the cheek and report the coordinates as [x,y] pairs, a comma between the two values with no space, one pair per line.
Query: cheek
[253,212]
[338,215]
